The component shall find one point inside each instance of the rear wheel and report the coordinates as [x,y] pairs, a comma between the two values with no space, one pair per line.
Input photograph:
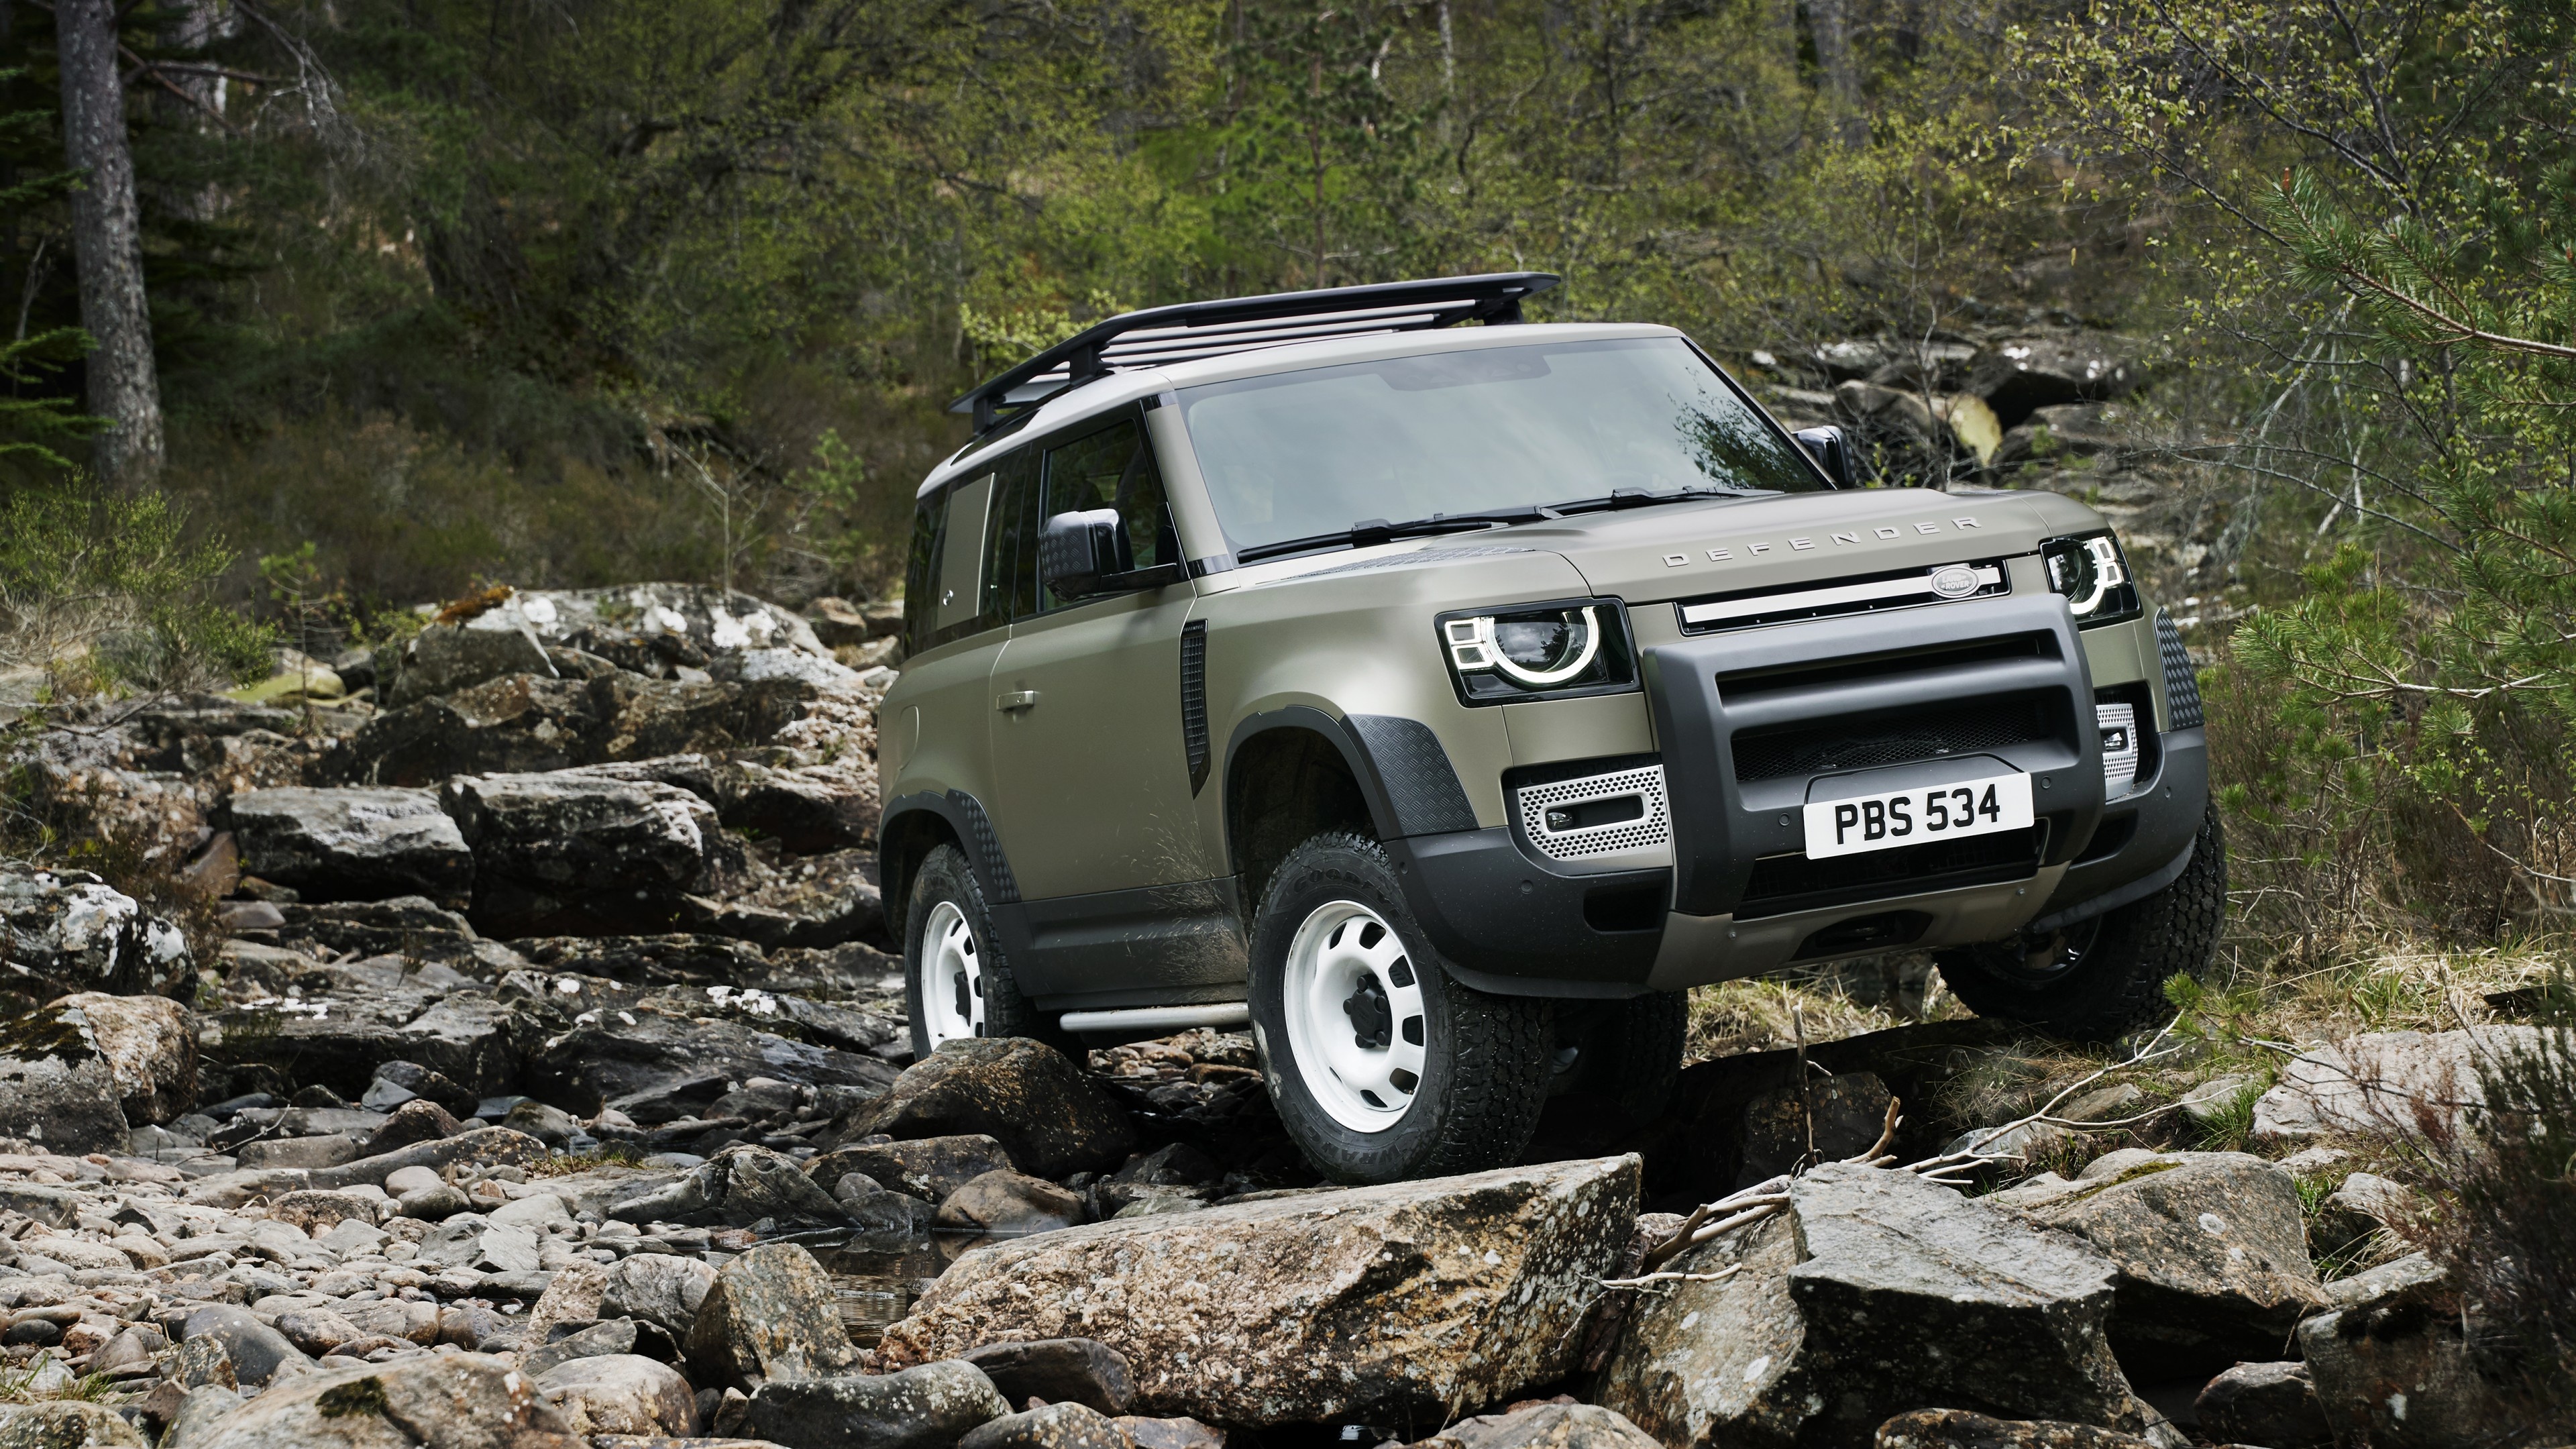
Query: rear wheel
[957,983]
[2099,978]
[1382,1067]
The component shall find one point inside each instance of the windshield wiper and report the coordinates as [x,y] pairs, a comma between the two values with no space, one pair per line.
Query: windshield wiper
[1640,498]
[1378,530]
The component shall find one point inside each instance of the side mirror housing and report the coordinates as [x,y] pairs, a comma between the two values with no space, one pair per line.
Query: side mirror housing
[1078,551]
[1832,450]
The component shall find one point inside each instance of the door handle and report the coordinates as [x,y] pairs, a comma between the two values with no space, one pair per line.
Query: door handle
[1015,699]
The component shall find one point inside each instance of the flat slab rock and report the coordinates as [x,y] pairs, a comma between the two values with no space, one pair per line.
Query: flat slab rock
[1403,1298]
[2386,1084]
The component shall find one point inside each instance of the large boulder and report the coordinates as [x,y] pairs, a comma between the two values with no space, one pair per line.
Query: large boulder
[147,1043]
[1398,1299]
[770,1317]
[1009,1203]
[659,629]
[2273,1404]
[2019,375]
[1059,1370]
[2211,1251]
[2388,1084]
[1875,1293]
[2397,1364]
[517,723]
[663,1054]
[928,1407]
[434,1401]
[364,844]
[1045,1111]
[657,1288]
[574,851]
[345,1019]
[55,1091]
[63,931]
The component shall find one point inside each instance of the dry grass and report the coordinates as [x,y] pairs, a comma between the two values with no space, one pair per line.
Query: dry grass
[1834,1001]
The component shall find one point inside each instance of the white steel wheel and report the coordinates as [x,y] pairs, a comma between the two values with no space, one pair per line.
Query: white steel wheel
[1354,1013]
[950,986]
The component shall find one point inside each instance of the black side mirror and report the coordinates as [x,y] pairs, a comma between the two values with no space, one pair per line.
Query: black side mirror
[1832,450]
[1076,551]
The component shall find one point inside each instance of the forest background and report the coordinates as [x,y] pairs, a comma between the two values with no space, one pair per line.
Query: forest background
[569,293]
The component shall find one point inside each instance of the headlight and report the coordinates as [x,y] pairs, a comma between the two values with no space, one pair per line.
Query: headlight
[2093,574]
[1577,646]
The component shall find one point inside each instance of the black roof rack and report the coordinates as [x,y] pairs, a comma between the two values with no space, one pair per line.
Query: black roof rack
[1192,330]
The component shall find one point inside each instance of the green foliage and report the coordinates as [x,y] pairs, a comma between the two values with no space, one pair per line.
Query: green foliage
[112,589]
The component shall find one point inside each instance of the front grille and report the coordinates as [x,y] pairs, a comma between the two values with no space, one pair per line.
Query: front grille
[2182,682]
[1781,884]
[1814,747]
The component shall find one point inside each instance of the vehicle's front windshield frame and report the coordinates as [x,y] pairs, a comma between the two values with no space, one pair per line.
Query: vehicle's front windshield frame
[1779,438]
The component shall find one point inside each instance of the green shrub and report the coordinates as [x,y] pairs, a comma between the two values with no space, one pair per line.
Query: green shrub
[108,590]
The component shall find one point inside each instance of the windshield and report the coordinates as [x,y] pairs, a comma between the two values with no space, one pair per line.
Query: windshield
[1299,454]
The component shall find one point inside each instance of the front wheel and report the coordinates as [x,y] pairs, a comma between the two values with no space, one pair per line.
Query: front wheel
[956,981]
[2097,979]
[1381,1066]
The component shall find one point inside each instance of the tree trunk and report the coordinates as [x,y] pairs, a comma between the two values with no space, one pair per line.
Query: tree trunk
[1830,22]
[107,243]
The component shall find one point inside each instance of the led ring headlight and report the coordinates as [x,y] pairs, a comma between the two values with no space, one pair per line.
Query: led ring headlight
[1474,645]
[2090,572]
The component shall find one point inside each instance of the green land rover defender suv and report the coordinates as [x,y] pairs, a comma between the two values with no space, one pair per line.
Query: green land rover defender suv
[1444,701]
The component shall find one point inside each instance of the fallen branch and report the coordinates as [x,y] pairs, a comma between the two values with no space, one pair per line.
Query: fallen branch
[1649,1279]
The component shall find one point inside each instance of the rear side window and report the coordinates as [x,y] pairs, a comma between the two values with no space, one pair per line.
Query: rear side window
[1011,560]
[1113,468]
[920,568]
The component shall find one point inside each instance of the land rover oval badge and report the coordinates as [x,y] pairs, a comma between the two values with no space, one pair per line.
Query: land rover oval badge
[1955,582]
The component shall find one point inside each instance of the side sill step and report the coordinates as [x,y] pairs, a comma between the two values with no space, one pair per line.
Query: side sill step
[1220,1015]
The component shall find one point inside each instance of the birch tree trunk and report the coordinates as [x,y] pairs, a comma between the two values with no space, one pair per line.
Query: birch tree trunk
[107,243]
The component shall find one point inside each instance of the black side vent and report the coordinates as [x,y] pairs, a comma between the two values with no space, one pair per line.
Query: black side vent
[2182,682]
[1194,725]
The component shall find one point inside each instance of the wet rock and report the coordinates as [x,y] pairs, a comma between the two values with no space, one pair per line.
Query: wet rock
[444,658]
[348,1017]
[657,1288]
[2272,1404]
[1543,1426]
[413,927]
[68,931]
[65,1425]
[809,809]
[1058,1370]
[1009,1203]
[929,1168]
[514,724]
[770,1316]
[621,1394]
[257,1351]
[931,1406]
[568,851]
[362,844]
[1054,1426]
[739,1186]
[674,958]
[435,1401]
[2387,1084]
[1961,1429]
[418,1120]
[874,1209]
[1047,1114]
[1398,1298]
[147,1043]
[658,1056]
[65,1103]
[822,901]
[2211,1251]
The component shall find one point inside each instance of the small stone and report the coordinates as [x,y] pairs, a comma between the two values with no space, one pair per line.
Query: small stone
[552,1126]
[66,1424]
[770,1315]
[459,1400]
[929,1168]
[1960,1429]
[1052,1426]
[2272,1404]
[316,1331]
[411,1179]
[274,1153]
[1045,1111]
[620,1394]
[433,1204]
[614,1336]
[928,1407]
[1543,1426]
[1177,1433]
[418,1120]
[657,1288]
[1009,1204]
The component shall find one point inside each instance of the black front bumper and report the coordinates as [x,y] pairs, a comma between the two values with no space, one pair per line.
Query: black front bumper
[1744,722]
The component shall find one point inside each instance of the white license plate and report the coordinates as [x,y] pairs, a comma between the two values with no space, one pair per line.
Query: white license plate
[1914,817]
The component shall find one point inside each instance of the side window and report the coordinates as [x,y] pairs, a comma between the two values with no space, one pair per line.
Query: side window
[1011,562]
[957,588]
[1114,468]
[921,570]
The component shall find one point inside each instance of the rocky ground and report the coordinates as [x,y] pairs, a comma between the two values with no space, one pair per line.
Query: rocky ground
[519,1061]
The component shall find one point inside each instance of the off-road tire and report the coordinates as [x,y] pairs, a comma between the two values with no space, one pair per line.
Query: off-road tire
[2116,965]
[1628,1060]
[945,876]
[1486,1057]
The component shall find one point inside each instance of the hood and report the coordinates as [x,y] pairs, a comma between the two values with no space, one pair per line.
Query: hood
[1647,555]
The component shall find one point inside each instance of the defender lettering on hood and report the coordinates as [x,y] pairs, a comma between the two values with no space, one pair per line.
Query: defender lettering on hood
[1802,543]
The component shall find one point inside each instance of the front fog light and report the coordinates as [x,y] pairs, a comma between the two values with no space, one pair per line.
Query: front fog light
[1576,647]
[2093,574]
